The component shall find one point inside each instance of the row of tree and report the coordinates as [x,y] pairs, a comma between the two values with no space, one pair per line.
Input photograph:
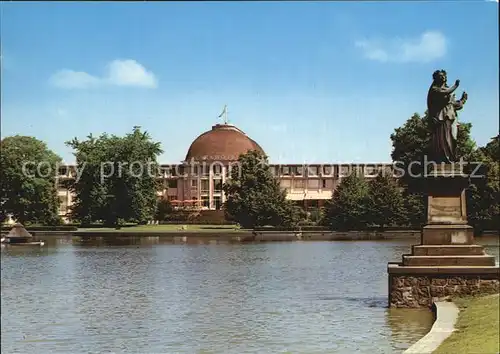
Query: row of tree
[112,186]
[255,198]
[411,142]
[113,183]
[357,204]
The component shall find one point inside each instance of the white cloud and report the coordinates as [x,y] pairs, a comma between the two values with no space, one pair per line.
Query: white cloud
[429,46]
[130,73]
[74,79]
[118,73]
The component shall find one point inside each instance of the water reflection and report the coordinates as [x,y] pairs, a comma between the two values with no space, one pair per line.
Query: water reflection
[152,295]
[24,251]
[405,321]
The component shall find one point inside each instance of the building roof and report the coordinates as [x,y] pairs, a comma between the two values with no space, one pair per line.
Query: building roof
[223,142]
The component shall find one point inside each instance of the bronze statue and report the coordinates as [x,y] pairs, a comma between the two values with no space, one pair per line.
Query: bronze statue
[442,108]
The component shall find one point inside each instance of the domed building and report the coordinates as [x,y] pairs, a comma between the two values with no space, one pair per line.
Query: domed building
[196,182]
[224,142]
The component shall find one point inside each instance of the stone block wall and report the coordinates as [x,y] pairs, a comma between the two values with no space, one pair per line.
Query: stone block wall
[422,291]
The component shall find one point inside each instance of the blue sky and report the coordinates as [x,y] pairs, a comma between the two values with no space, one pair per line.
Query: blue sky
[309,81]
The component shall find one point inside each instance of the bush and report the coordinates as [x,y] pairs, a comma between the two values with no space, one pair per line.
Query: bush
[163,209]
[67,228]
[301,228]
[201,217]
[97,225]
[197,222]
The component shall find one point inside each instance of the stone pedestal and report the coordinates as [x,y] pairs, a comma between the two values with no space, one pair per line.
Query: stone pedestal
[447,262]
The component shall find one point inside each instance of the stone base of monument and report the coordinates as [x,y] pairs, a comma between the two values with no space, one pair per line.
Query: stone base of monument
[447,262]
[420,286]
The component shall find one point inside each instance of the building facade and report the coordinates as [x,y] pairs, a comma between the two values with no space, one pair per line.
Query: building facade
[196,182]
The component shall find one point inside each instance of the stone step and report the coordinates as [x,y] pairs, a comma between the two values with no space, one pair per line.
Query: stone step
[490,271]
[448,250]
[480,260]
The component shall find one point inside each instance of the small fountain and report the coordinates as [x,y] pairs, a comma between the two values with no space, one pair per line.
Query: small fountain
[19,236]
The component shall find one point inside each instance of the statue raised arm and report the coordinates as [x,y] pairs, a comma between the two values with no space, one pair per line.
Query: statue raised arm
[442,109]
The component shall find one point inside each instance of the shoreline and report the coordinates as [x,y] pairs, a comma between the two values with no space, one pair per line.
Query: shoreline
[477,326]
[444,325]
[216,233]
[461,323]
[238,235]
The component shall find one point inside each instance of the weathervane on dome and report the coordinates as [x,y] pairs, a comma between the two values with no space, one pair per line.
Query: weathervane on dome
[224,114]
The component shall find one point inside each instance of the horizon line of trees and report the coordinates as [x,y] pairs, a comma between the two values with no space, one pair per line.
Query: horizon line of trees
[255,199]
[381,202]
[30,195]
[254,196]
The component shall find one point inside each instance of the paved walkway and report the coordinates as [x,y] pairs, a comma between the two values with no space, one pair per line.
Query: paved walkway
[446,317]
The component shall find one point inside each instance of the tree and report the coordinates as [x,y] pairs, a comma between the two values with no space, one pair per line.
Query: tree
[118,181]
[28,180]
[163,208]
[411,147]
[483,195]
[347,210]
[492,149]
[386,204]
[415,209]
[89,191]
[411,142]
[254,196]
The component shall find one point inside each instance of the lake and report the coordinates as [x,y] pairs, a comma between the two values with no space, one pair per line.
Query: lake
[143,295]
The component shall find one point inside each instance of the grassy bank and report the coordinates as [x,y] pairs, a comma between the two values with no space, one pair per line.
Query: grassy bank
[167,228]
[477,327]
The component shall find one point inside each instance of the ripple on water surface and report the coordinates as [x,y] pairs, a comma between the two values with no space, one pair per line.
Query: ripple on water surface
[250,298]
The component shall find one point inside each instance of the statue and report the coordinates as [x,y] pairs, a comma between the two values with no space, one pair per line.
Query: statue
[442,108]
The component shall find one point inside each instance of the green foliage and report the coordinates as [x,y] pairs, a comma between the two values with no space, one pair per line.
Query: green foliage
[385,204]
[465,144]
[347,210]
[483,195]
[316,215]
[492,149]
[415,209]
[254,196]
[411,143]
[357,204]
[29,195]
[411,146]
[163,209]
[118,181]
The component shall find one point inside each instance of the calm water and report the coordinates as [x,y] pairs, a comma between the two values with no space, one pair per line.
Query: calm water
[143,296]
